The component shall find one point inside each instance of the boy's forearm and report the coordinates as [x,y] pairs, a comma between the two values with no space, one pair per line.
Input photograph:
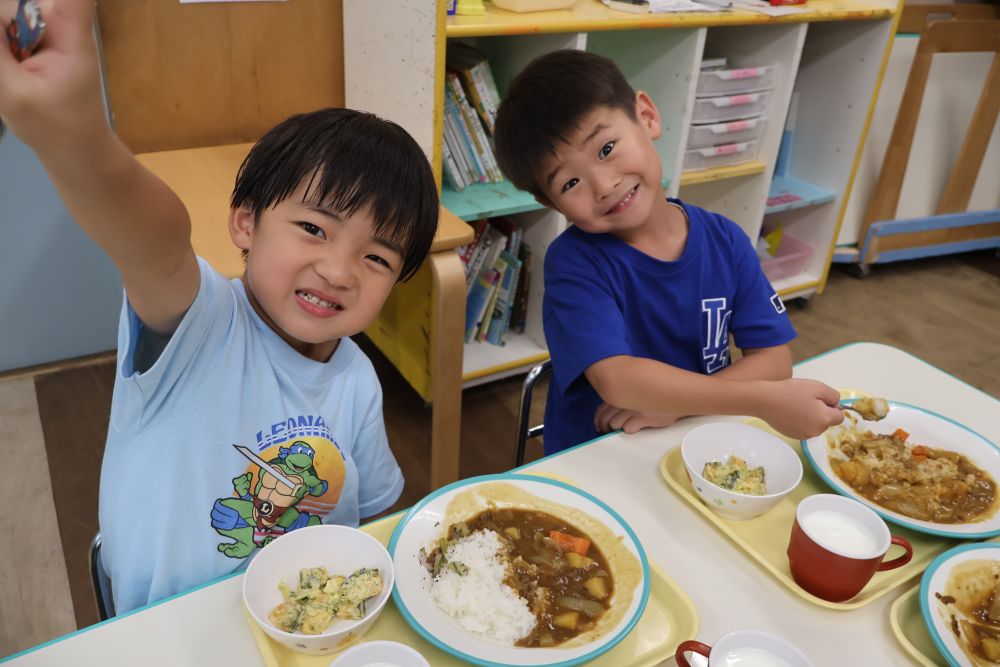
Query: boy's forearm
[123,207]
[646,385]
[766,363]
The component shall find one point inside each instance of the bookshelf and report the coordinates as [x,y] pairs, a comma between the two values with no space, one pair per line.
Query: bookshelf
[832,56]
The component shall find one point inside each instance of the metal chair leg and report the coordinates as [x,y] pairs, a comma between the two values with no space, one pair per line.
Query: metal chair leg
[524,432]
[101,581]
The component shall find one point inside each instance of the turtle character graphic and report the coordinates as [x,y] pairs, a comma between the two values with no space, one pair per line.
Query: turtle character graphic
[255,519]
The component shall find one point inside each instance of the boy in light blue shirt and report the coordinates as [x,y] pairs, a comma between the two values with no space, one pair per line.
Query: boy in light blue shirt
[242,409]
[641,292]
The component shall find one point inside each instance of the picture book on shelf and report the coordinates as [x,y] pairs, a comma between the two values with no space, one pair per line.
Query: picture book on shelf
[474,69]
[482,292]
[496,270]
[470,122]
[500,318]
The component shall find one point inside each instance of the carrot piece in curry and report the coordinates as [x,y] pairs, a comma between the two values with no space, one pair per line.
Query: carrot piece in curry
[566,542]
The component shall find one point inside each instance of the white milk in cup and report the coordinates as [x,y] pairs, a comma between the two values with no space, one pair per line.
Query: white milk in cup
[840,533]
[750,656]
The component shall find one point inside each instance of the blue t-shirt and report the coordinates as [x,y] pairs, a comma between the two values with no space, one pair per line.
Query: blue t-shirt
[229,440]
[605,298]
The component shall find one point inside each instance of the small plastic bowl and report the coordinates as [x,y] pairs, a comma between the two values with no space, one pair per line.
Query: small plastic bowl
[341,550]
[719,441]
[380,653]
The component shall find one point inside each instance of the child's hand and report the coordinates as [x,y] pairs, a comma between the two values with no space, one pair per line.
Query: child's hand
[609,418]
[52,100]
[801,408]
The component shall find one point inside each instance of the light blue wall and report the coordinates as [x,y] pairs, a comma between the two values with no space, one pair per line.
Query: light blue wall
[59,293]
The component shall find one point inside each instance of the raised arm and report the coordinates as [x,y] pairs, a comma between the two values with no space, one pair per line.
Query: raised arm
[797,408]
[52,101]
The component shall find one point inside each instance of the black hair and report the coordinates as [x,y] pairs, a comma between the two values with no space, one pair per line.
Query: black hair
[545,105]
[353,159]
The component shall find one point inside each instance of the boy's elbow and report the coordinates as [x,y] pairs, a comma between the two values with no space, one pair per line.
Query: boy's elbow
[605,377]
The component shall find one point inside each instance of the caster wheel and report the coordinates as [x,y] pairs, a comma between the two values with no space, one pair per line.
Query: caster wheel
[859,271]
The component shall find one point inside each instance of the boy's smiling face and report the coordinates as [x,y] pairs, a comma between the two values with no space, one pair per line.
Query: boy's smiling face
[607,178]
[313,274]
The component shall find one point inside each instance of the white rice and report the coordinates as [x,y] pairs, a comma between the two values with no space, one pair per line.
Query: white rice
[479,600]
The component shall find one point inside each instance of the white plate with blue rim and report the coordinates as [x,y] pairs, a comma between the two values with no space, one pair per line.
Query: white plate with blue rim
[956,585]
[924,428]
[427,522]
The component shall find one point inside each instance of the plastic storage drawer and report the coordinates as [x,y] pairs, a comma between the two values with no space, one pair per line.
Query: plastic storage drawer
[790,258]
[719,156]
[731,81]
[729,107]
[725,133]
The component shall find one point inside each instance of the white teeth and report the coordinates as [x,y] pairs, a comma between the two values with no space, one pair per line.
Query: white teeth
[312,298]
[626,200]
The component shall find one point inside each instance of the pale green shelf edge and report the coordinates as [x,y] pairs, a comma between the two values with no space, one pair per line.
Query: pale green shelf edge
[488,200]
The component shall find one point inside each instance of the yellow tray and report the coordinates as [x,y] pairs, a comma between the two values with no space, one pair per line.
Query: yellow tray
[765,538]
[911,631]
[669,618]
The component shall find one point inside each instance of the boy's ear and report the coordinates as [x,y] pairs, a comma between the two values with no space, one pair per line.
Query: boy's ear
[241,226]
[647,114]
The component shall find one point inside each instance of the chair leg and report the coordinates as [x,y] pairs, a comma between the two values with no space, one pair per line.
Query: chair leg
[524,410]
[100,581]
[523,415]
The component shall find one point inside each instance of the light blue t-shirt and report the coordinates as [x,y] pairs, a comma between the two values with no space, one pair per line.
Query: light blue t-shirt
[229,440]
[605,298]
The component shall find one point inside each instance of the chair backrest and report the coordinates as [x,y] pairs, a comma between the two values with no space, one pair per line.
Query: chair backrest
[217,73]
[524,431]
[101,581]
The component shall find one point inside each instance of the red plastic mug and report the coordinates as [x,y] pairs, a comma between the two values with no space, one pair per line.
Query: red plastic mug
[837,545]
[744,644]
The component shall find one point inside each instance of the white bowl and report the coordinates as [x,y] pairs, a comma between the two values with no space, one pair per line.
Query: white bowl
[716,442]
[340,549]
[380,653]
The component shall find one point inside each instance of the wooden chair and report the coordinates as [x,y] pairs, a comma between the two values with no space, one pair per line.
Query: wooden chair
[952,228]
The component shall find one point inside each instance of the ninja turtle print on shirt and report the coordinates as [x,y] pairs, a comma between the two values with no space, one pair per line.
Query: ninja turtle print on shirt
[292,480]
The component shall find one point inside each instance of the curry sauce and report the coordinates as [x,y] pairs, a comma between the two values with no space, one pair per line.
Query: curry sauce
[554,566]
[918,481]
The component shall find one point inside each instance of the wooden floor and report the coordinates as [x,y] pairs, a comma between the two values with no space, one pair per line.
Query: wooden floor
[945,311]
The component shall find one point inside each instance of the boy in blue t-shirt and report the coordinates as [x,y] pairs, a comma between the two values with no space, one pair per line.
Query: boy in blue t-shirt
[641,292]
[242,409]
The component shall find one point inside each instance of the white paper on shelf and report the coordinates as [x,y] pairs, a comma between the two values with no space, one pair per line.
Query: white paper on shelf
[664,6]
[766,8]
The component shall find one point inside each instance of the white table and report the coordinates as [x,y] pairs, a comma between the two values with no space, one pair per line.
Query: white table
[207,626]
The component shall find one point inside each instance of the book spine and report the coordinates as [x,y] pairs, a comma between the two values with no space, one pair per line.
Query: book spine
[521,296]
[458,149]
[483,76]
[499,267]
[505,302]
[483,288]
[481,143]
[451,173]
[477,97]
[476,261]
[481,175]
